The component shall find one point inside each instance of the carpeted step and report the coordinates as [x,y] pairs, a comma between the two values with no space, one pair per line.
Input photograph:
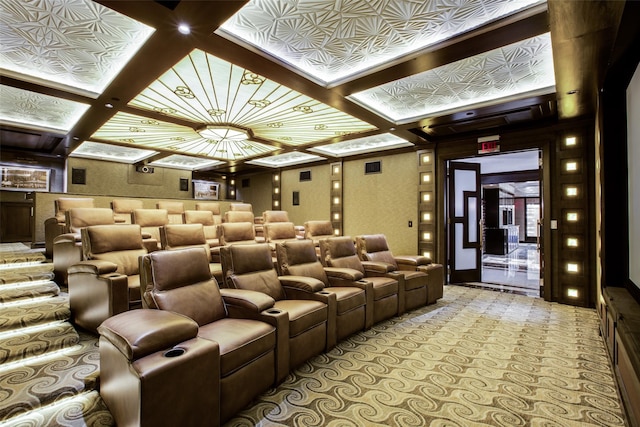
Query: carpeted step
[30,385]
[36,311]
[25,273]
[28,290]
[24,343]
[86,409]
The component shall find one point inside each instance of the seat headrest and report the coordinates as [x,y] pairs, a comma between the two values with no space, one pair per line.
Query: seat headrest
[340,247]
[279,230]
[275,216]
[248,258]
[125,205]
[198,217]
[171,207]
[374,242]
[295,252]
[112,238]
[150,217]
[183,234]
[213,207]
[318,228]
[181,267]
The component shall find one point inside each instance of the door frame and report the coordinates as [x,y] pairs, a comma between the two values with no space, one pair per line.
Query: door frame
[448,151]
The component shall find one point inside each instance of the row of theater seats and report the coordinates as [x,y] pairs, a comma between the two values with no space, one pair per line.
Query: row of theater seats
[274,226]
[206,213]
[211,346]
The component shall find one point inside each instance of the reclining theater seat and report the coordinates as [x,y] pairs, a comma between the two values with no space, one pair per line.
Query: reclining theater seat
[234,233]
[311,310]
[107,282]
[174,210]
[208,223]
[298,258]
[278,232]
[281,216]
[57,225]
[213,207]
[123,209]
[150,222]
[373,247]
[67,247]
[179,281]
[245,216]
[317,230]
[341,252]
[181,236]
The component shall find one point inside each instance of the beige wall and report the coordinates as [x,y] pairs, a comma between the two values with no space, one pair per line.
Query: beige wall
[314,194]
[258,193]
[383,202]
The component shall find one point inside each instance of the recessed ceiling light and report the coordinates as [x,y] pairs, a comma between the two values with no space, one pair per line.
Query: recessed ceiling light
[108,105]
[184,29]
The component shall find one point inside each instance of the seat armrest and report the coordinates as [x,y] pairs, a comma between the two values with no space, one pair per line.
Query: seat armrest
[67,238]
[97,267]
[245,299]
[411,262]
[348,274]
[302,283]
[138,333]
[374,267]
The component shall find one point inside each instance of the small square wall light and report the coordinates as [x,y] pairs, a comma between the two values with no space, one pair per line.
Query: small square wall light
[572,242]
[426,236]
[571,166]
[276,190]
[426,216]
[427,254]
[426,177]
[571,191]
[276,203]
[426,197]
[426,159]
[570,141]
[572,293]
[572,267]
[336,185]
[336,231]
[336,200]
[572,216]
[336,216]
[336,170]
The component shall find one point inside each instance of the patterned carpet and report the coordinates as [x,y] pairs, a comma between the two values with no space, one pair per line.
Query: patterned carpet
[476,358]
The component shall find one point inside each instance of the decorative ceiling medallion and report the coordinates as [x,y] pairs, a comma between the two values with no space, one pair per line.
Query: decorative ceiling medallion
[368,144]
[520,69]
[287,159]
[76,45]
[111,153]
[138,131]
[37,111]
[332,41]
[209,91]
[177,161]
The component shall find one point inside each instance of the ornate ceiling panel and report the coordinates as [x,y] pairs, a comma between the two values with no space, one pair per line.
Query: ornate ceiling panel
[368,144]
[141,132]
[332,41]
[177,161]
[287,159]
[516,70]
[209,91]
[111,153]
[37,111]
[75,44]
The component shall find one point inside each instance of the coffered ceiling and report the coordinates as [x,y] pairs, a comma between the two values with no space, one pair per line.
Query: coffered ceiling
[235,86]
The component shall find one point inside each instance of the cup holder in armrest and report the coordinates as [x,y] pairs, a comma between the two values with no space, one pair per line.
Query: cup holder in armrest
[175,352]
[274,311]
[325,292]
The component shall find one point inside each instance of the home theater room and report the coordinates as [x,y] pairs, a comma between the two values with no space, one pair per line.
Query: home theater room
[319,213]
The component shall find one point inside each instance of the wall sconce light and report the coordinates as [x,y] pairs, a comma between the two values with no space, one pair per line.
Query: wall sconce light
[233,182]
[426,216]
[572,267]
[571,166]
[572,242]
[572,216]
[336,231]
[570,141]
[276,177]
[427,254]
[276,190]
[276,203]
[232,192]
[426,236]
[426,159]
[426,177]
[573,293]
[336,170]
[336,185]
[336,200]
[426,197]
[336,216]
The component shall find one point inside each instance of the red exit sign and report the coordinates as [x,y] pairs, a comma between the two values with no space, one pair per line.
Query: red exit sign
[491,146]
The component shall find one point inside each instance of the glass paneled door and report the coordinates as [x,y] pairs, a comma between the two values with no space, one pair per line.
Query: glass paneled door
[465,245]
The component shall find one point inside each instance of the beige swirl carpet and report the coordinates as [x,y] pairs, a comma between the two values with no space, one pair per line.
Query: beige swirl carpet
[475,358]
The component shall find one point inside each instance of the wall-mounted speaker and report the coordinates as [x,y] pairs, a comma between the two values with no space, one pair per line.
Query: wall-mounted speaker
[144,169]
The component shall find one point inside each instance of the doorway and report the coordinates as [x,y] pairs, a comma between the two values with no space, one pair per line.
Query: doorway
[494,208]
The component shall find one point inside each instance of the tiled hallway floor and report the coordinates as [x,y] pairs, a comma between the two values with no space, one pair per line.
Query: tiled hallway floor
[518,271]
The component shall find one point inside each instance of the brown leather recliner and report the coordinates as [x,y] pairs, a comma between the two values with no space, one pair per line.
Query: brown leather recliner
[213,207]
[181,236]
[234,233]
[174,209]
[56,225]
[278,232]
[311,309]
[341,252]
[317,230]
[123,209]
[243,323]
[374,247]
[298,258]
[150,222]
[156,371]
[67,247]
[107,282]
[209,225]
[435,272]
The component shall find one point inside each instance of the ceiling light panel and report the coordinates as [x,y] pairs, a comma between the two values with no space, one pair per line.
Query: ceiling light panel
[111,153]
[141,132]
[332,41]
[177,161]
[75,45]
[285,160]
[369,144]
[38,111]
[521,69]
[207,90]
